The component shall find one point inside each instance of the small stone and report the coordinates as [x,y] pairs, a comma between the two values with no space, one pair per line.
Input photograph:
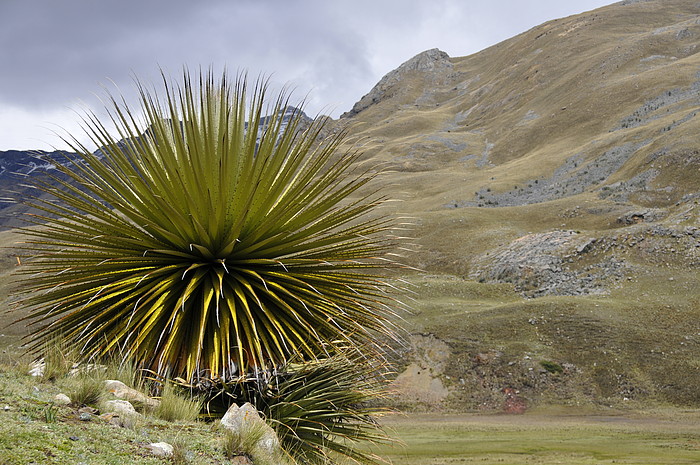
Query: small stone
[6,408]
[78,369]
[161,449]
[62,399]
[113,419]
[84,416]
[122,407]
[73,438]
[241,460]
[122,391]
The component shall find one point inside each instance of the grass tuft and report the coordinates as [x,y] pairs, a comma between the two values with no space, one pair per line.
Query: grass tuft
[237,443]
[58,359]
[181,456]
[174,406]
[86,389]
[552,367]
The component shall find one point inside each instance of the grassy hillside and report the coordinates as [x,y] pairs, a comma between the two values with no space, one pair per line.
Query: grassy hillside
[552,183]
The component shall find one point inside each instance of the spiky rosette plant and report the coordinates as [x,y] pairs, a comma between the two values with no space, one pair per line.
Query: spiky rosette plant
[322,411]
[211,235]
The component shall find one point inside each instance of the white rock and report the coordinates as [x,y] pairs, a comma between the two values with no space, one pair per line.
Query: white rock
[122,407]
[79,369]
[122,391]
[62,399]
[161,449]
[246,418]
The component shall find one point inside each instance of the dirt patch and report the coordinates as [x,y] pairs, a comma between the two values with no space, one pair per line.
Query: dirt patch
[421,382]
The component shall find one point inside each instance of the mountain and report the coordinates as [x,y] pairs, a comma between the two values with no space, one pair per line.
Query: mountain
[18,168]
[550,186]
[583,123]
[551,183]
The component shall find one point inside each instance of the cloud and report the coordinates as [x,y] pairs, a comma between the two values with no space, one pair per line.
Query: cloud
[57,53]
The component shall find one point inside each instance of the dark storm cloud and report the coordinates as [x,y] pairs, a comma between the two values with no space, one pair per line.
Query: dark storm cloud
[56,53]
[53,51]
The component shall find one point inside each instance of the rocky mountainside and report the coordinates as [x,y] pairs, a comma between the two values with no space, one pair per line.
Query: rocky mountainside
[18,169]
[552,183]
[583,124]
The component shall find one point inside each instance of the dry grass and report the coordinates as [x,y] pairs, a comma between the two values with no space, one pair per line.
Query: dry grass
[177,406]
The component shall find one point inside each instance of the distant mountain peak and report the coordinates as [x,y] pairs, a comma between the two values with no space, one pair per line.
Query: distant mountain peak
[428,62]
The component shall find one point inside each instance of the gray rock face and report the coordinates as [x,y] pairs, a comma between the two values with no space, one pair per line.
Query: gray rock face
[566,263]
[574,177]
[428,62]
[541,264]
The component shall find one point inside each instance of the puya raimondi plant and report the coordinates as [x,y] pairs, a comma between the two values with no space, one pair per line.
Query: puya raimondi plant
[213,234]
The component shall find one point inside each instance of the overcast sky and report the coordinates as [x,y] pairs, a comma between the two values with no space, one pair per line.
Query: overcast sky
[55,55]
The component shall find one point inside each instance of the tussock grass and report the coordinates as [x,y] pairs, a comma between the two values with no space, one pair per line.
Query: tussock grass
[58,359]
[176,406]
[181,456]
[237,443]
[86,389]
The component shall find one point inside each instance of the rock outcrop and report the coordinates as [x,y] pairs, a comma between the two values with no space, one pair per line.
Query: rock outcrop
[431,63]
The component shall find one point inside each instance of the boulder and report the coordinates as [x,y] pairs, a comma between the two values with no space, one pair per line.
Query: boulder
[246,420]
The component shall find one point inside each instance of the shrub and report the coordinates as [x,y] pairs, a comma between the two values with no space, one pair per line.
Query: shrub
[321,411]
[551,367]
[212,241]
